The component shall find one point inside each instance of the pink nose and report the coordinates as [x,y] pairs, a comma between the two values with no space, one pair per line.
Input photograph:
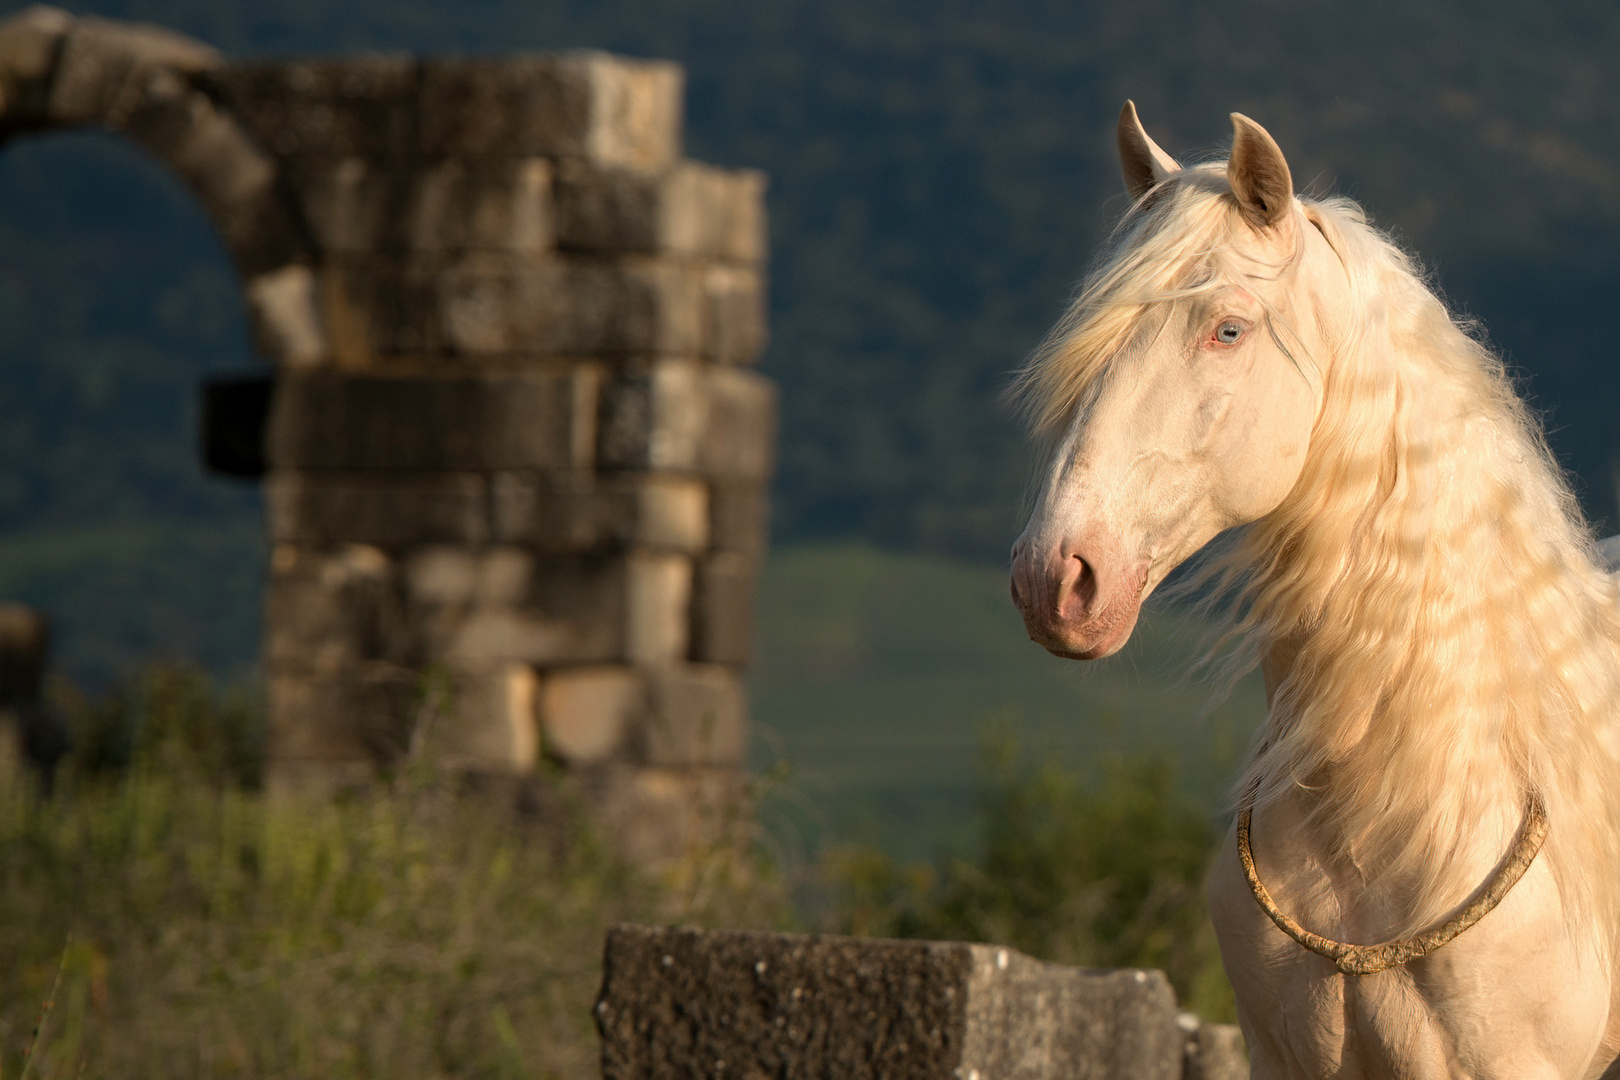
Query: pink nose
[1076,603]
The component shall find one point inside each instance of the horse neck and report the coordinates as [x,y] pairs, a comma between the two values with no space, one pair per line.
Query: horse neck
[1459,646]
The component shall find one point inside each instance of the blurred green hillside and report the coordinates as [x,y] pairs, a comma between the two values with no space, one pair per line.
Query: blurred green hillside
[939,172]
[882,678]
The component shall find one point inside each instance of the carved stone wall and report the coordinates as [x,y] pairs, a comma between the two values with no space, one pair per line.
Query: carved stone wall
[515,460]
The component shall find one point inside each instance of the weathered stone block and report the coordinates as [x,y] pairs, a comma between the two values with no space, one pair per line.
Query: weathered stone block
[102,63]
[493,305]
[697,714]
[580,511]
[452,574]
[658,817]
[739,439]
[605,109]
[682,416]
[487,304]
[585,712]
[357,718]
[356,205]
[564,609]
[1214,1051]
[734,316]
[352,204]
[25,648]
[491,725]
[710,1003]
[329,107]
[739,516]
[537,420]
[30,42]
[287,328]
[328,611]
[655,416]
[691,209]
[233,179]
[657,597]
[388,509]
[482,204]
[723,609]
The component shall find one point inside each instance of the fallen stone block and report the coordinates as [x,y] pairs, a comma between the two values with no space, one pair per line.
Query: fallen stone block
[1213,1051]
[606,109]
[693,1003]
[333,421]
[389,509]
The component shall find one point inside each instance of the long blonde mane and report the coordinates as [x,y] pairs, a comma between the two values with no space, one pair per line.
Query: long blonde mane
[1428,595]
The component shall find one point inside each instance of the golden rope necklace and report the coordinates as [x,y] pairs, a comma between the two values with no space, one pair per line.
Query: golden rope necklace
[1370,959]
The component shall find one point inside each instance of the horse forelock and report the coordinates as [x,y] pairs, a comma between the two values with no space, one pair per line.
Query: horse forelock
[1174,243]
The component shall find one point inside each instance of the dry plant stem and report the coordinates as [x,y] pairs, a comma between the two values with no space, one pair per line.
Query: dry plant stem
[44,1012]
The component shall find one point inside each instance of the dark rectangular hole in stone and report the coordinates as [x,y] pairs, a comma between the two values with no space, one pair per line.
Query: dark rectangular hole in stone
[234,416]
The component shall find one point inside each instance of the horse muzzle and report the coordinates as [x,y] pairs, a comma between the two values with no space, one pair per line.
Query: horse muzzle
[1077,603]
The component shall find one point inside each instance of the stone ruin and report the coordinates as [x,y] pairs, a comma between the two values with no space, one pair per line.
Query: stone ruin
[707,1003]
[515,460]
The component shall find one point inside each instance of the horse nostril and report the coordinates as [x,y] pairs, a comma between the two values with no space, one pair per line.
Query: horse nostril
[1082,588]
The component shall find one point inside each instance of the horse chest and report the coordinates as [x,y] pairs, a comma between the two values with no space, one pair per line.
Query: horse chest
[1514,997]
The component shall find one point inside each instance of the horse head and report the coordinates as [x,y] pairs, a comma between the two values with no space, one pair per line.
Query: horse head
[1180,392]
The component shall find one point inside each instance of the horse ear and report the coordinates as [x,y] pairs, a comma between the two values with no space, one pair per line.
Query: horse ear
[1258,174]
[1140,158]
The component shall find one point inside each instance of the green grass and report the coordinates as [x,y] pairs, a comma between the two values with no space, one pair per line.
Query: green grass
[198,928]
[878,677]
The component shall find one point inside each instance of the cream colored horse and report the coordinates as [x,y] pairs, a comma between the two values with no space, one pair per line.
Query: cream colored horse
[1441,648]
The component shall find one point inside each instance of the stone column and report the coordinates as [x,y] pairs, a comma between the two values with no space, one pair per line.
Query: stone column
[516,485]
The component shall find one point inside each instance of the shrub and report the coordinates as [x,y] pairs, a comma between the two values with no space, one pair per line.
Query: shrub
[1106,874]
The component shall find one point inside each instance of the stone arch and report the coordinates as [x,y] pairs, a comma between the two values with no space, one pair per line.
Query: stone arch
[512,441]
[152,85]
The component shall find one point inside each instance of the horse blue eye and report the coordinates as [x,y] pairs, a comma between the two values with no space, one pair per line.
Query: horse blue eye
[1228,332]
